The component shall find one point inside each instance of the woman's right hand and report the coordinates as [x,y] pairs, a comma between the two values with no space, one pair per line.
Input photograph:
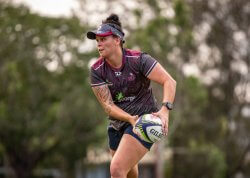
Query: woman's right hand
[133,120]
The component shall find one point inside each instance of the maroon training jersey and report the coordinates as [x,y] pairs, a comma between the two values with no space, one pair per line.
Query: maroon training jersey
[128,85]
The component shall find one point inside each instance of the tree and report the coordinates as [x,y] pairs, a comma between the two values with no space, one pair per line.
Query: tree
[220,51]
[227,40]
[46,106]
[212,111]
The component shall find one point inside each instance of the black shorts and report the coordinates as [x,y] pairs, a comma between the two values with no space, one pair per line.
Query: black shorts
[115,136]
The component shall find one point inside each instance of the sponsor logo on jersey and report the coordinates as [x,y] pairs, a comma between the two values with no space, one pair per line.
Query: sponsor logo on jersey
[120,97]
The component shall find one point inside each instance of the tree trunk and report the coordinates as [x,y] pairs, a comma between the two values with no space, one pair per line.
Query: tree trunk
[22,172]
[22,163]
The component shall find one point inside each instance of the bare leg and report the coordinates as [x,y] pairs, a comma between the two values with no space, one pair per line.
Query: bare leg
[128,154]
[133,173]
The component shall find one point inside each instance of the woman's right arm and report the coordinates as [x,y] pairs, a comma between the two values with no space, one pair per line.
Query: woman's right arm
[104,97]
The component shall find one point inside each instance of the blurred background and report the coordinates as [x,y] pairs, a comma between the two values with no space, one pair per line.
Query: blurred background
[51,125]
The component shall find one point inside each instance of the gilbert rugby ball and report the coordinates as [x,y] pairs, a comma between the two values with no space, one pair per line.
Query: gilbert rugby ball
[149,128]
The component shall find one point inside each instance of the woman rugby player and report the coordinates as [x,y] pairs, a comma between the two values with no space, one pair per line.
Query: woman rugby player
[120,80]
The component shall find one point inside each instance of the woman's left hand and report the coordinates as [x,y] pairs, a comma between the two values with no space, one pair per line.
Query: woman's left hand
[163,114]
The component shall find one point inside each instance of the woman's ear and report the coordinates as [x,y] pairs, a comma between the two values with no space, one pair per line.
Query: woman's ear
[117,41]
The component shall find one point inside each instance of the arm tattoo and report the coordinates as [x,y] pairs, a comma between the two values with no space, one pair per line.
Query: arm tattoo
[104,97]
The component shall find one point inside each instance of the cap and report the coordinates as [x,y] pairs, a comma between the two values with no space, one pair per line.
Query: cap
[106,30]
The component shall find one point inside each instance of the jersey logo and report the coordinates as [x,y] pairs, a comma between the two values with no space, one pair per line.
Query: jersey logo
[117,74]
[119,96]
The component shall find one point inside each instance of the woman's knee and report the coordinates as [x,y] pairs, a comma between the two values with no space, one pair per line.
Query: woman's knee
[133,173]
[117,170]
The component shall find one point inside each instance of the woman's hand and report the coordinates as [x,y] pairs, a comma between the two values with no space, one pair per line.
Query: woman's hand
[163,114]
[133,120]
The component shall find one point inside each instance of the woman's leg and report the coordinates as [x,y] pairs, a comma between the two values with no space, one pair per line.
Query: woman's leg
[126,157]
[133,173]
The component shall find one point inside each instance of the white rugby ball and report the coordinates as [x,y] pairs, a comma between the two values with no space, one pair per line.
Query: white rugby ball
[149,128]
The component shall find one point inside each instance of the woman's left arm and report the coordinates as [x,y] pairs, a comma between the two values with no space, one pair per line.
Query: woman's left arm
[161,76]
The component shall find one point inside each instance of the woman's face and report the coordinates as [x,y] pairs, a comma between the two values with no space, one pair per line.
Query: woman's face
[107,45]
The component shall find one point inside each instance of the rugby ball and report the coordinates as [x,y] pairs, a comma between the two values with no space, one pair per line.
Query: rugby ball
[149,128]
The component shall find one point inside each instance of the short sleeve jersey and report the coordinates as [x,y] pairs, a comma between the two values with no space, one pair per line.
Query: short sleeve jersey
[128,85]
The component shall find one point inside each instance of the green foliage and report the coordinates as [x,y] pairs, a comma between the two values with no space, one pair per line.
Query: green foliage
[218,162]
[196,93]
[192,99]
[209,162]
[161,35]
[48,114]
[205,114]
[181,10]
[45,114]
[183,21]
